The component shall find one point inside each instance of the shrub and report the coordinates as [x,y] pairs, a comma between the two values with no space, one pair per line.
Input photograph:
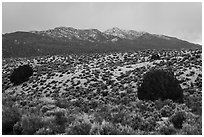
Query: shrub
[167,130]
[136,122]
[60,121]
[191,130]
[160,84]
[44,131]
[195,103]
[108,129]
[148,124]
[166,111]
[192,125]
[10,115]
[95,129]
[30,124]
[49,126]
[17,129]
[177,119]
[61,103]
[79,128]
[21,74]
[155,57]
[119,117]
[125,129]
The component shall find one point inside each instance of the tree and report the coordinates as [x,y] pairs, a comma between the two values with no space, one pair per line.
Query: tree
[155,57]
[21,74]
[160,84]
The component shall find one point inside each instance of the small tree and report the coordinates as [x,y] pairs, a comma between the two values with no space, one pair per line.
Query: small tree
[160,84]
[177,119]
[155,57]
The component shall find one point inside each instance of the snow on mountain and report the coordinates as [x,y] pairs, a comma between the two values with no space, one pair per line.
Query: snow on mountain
[67,32]
[127,34]
[114,39]
[94,35]
[70,33]
[132,34]
[115,32]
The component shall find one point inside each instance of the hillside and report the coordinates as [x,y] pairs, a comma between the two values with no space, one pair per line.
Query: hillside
[67,40]
[97,94]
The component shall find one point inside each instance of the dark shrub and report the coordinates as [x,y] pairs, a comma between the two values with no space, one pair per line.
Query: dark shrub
[177,119]
[21,74]
[167,130]
[60,120]
[160,84]
[10,116]
[155,57]
[17,129]
[194,102]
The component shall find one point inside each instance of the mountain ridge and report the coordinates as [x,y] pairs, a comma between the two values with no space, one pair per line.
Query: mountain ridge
[67,40]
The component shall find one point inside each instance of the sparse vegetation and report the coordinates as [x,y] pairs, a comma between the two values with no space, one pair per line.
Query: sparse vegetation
[105,94]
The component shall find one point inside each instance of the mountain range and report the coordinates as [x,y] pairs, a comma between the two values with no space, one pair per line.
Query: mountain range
[68,40]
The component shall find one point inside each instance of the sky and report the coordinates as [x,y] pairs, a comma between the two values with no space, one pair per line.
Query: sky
[181,20]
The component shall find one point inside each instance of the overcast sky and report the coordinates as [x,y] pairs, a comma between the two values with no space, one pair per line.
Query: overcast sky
[182,20]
